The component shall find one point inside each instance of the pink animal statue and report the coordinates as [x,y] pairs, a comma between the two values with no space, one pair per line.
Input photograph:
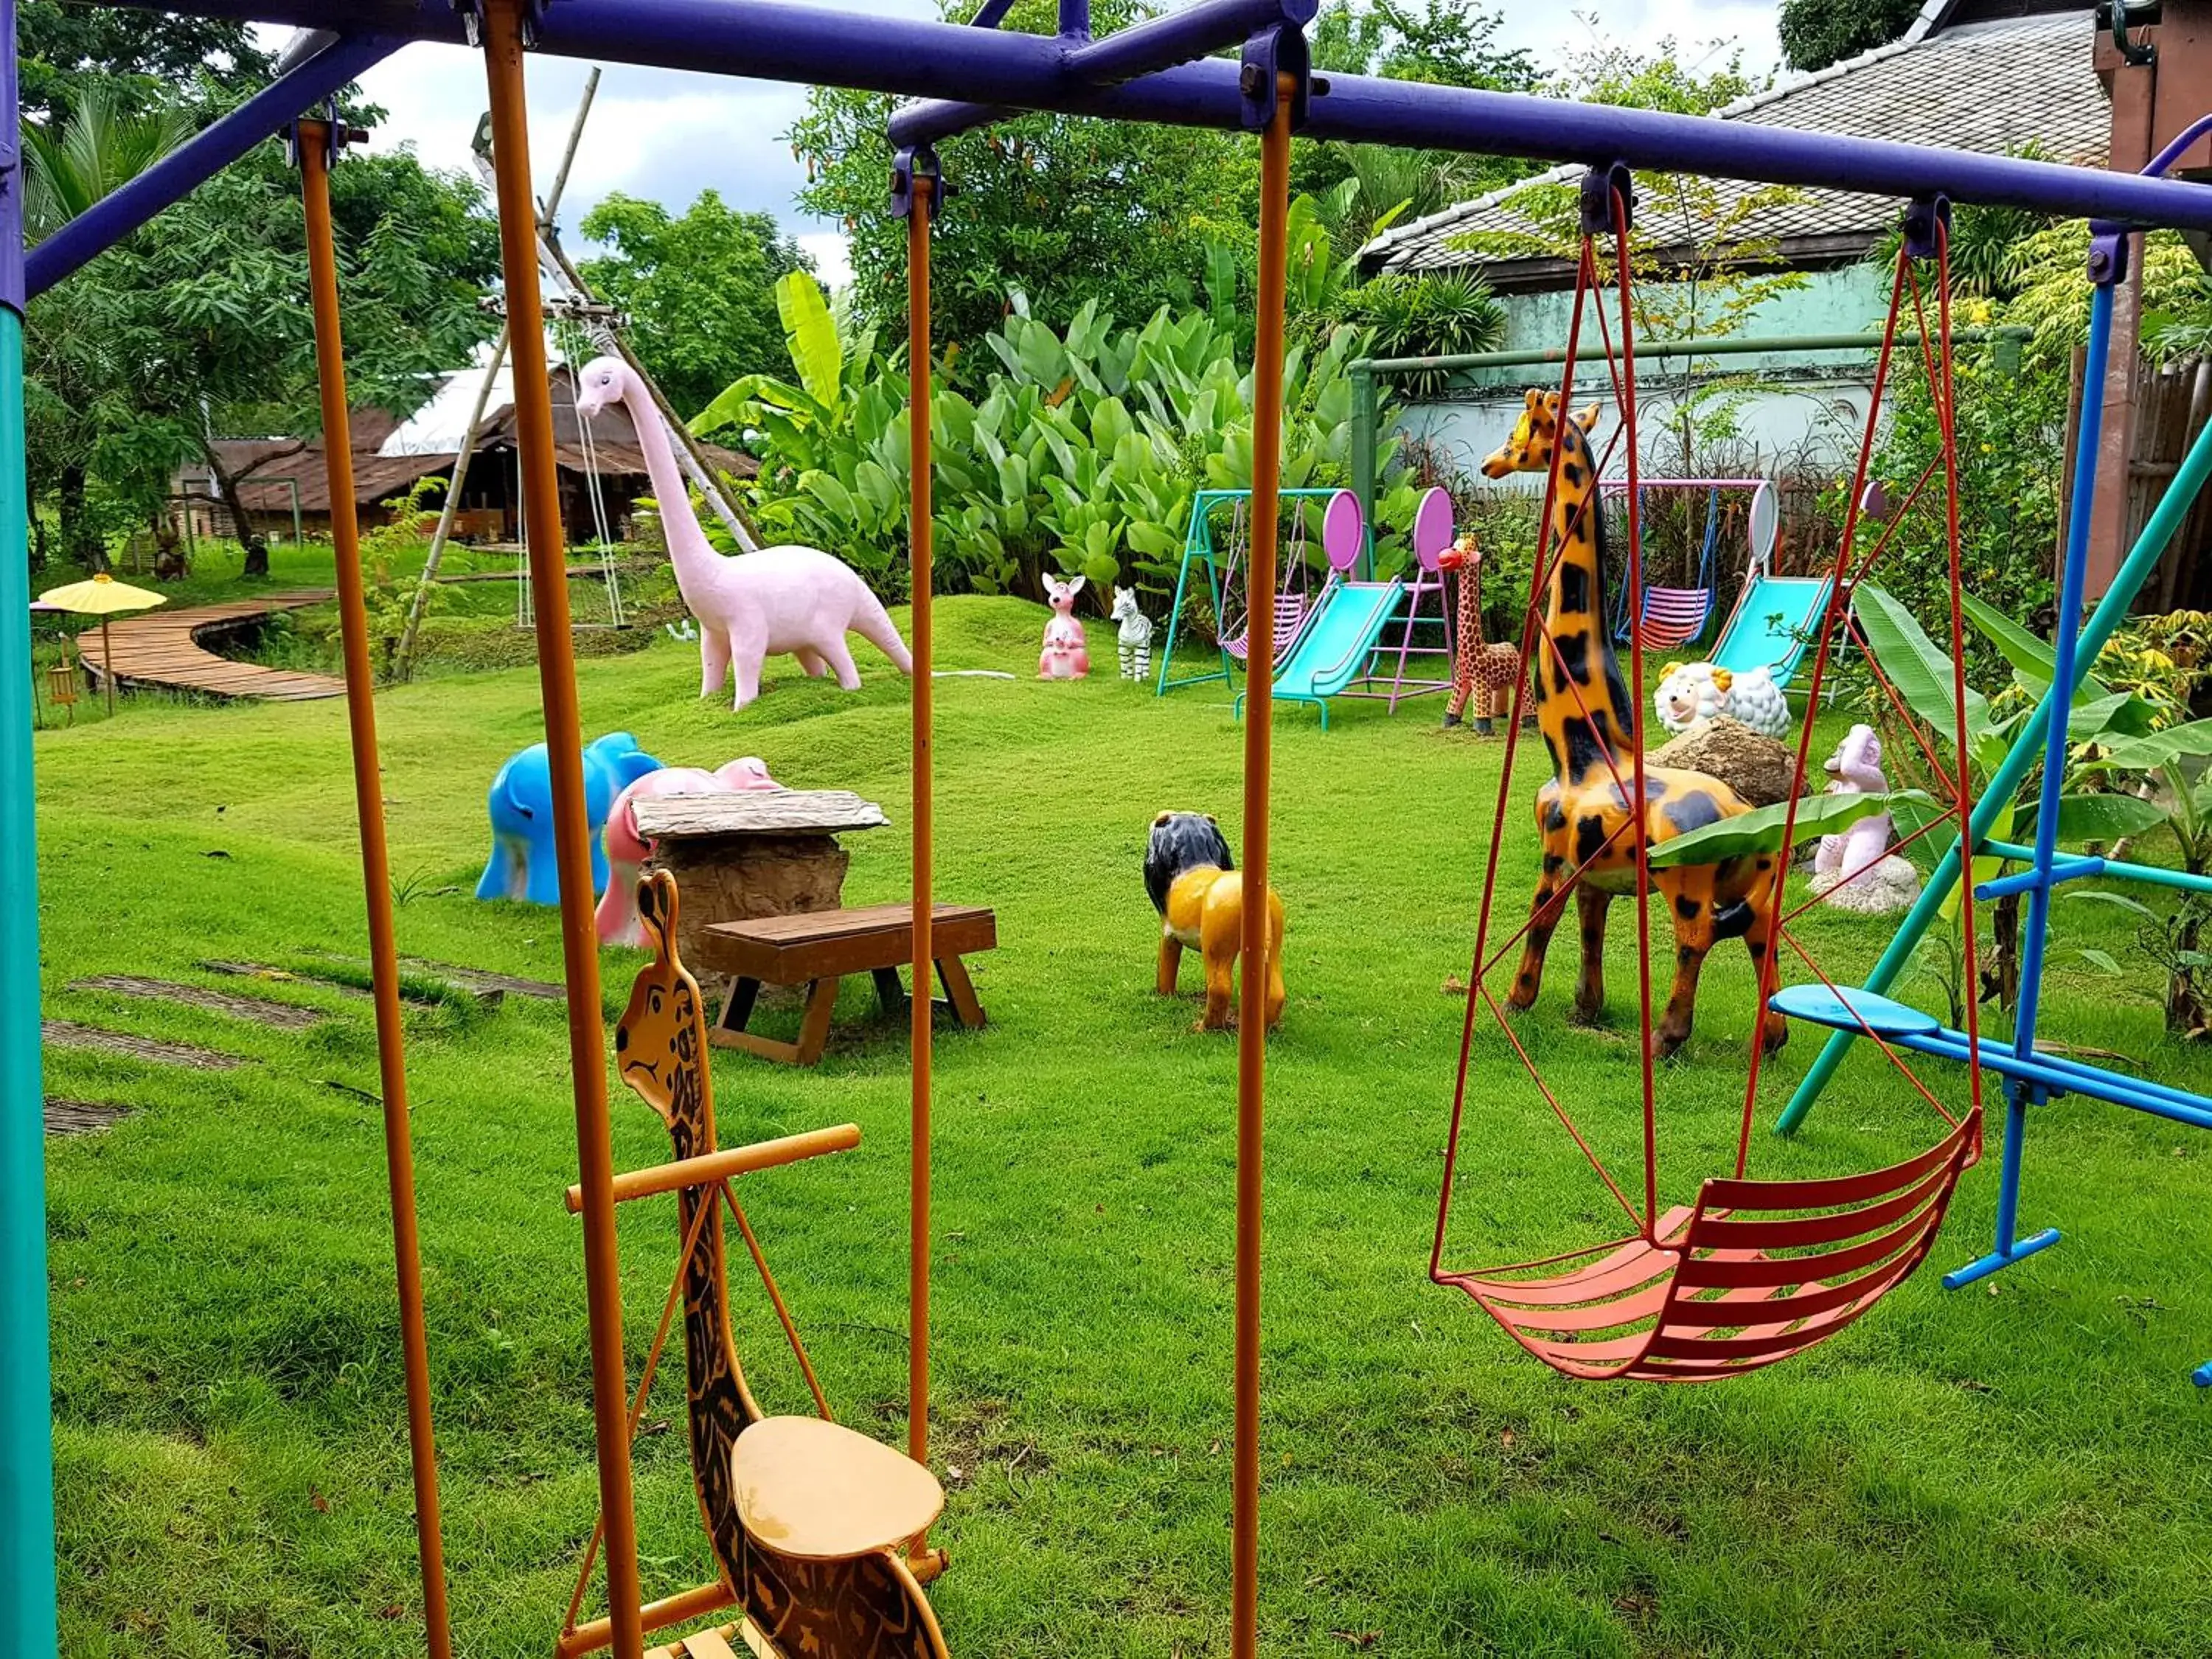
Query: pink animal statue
[628,850]
[1855,871]
[1066,655]
[749,773]
[754,606]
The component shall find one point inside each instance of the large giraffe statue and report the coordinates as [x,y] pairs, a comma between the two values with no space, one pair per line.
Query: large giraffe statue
[1589,722]
[864,1603]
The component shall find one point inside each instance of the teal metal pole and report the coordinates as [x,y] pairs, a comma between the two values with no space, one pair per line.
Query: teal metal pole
[27,1617]
[2026,749]
[2149,875]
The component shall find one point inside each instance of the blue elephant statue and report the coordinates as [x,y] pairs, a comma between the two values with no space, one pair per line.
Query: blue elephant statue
[523,866]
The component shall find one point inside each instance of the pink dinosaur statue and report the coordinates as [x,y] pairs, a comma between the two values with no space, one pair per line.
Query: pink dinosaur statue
[628,850]
[1066,655]
[754,606]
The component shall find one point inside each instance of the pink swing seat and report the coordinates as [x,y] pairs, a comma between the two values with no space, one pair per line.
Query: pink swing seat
[1675,615]
[1756,1271]
[1290,611]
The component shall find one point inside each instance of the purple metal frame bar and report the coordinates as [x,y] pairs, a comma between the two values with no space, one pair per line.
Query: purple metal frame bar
[191,164]
[1205,25]
[779,41]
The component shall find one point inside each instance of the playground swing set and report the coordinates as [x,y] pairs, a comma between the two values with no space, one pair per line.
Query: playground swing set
[1676,616]
[819,1535]
[1755,1270]
[1333,642]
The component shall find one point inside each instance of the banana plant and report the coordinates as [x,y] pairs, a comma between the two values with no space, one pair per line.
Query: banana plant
[1082,448]
[1922,673]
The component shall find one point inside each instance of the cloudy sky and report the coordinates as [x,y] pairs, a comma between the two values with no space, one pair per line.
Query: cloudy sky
[666,135]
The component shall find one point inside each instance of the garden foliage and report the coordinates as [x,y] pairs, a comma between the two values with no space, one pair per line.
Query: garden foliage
[1070,449]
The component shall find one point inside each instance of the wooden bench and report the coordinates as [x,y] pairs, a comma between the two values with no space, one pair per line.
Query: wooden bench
[818,948]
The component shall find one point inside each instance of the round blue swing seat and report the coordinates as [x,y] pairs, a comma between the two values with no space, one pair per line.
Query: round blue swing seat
[1853,1011]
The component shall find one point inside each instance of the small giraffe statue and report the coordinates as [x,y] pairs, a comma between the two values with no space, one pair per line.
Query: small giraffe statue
[1482,669]
[867,1604]
[1588,723]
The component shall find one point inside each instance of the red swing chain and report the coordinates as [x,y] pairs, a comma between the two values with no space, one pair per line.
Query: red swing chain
[1937,357]
[1550,550]
[1638,812]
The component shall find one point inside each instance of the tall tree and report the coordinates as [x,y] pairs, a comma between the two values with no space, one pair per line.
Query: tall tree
[1450,43]
[193,328]
[1059,208]
[66,47]
[68,166]
[700,290]
[1817,32]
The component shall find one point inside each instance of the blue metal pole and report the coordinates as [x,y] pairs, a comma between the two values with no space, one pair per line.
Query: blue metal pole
[2120,869]
[1162,44]
[2040,878]
[2064,638]
[2057,1074]
[775,40]
[191,164]
[28,1618]
[2021,1092]
[2009,1249]
[2189,480]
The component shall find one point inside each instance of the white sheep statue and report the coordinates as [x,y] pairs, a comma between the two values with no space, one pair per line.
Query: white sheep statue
[1689,692]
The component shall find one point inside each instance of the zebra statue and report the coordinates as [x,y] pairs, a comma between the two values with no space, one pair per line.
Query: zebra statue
[1136,635]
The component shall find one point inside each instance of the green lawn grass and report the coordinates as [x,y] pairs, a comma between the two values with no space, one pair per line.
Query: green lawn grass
[2019,1469]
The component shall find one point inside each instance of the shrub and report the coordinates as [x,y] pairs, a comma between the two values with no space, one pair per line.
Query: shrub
[1078,451]
[1434,315]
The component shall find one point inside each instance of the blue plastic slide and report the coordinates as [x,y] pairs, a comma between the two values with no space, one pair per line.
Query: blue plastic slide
[1334,650]
[1772,625]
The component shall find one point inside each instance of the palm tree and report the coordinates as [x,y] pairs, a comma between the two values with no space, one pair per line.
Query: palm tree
[1394,185]
[101,146]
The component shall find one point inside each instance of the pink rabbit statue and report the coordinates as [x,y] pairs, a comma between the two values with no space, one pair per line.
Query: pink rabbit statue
[628,850]
[1065,656]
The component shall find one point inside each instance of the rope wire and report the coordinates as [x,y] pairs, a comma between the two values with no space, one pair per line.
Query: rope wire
[1852,565]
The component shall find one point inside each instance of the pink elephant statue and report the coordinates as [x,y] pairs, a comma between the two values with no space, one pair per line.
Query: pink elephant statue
[628,850]
[749,773]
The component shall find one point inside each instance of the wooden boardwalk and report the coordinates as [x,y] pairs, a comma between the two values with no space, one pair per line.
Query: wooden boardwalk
[162,649]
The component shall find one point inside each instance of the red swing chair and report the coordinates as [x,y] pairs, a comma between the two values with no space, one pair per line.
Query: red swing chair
[1753,1271]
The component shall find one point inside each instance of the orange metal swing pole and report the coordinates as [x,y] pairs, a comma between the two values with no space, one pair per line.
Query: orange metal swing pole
[920,1004]
[375,870]
[556,677]
[1252,950]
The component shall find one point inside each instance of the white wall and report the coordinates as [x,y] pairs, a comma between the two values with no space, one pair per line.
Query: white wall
[1805,407]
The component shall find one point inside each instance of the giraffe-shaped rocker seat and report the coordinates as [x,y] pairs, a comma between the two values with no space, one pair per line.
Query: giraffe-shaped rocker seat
[817,1530]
